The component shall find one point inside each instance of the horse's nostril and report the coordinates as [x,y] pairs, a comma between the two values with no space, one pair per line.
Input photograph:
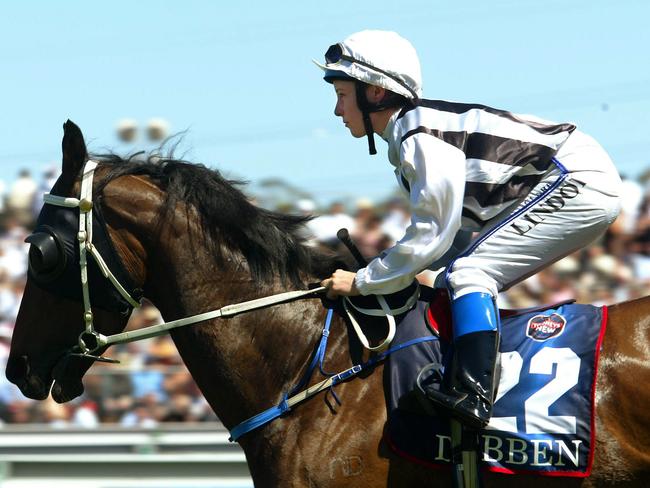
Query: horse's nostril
[17,368]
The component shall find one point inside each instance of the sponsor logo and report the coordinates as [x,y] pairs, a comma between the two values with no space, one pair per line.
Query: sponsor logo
[512,452]
[536,215]
[543,327]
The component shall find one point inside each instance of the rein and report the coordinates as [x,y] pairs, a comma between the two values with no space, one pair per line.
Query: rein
[227,311]
[90,341]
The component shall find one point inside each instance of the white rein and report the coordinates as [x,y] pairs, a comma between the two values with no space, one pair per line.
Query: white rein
[85,238]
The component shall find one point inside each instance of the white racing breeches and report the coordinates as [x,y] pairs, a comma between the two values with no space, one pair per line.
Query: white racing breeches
[561,215]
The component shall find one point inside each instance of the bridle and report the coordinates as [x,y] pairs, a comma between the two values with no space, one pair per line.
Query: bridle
[90,341]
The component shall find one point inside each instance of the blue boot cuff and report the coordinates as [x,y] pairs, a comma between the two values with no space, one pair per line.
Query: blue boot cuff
[474,312]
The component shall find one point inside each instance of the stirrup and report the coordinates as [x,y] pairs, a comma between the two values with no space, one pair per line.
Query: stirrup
[428,377]
[451,402]
[455,404]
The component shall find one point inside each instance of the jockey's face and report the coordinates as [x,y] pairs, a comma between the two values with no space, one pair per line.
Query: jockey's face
[347,108]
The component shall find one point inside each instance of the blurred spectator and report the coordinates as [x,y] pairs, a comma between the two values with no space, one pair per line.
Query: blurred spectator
[180,409]
[148,381]
[140,416]
[13,250]
[305,206]
[20,200]
[6,330]
[325,227]
[631,196]
[640,243]
[85,415]
[396,220]
[50,175]
[127,130]
[56,415]
[22,411]
[157,129]
[3,196]
[367,232]
[11,292]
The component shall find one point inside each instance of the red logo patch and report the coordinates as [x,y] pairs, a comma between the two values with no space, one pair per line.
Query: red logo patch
[543,327]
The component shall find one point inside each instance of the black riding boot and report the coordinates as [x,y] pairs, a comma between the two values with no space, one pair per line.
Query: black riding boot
[468,392]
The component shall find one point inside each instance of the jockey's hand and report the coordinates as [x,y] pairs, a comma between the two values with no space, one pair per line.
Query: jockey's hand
[340,283]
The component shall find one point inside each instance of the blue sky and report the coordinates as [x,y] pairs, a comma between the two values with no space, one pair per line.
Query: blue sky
[238,77]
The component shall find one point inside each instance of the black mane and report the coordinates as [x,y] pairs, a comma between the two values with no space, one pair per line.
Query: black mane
[270,242]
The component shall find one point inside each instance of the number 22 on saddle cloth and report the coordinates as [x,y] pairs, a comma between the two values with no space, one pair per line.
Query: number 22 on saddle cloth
[543,419]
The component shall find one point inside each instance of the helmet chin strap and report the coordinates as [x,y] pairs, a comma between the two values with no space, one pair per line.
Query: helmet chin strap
[366,108]
[370,133]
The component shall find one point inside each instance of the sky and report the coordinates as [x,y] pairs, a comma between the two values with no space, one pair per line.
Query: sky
[237,78]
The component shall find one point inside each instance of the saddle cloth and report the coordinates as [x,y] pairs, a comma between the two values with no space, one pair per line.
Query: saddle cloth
[543,419]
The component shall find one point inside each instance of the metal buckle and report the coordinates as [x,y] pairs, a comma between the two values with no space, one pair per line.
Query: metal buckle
[90,340]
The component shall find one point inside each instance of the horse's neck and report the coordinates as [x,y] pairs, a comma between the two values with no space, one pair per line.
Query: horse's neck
[244,364]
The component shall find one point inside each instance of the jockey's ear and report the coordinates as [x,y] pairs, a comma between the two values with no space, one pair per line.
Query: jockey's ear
[74,150]
[375,94]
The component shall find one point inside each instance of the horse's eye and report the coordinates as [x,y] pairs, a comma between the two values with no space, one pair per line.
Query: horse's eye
[45,255]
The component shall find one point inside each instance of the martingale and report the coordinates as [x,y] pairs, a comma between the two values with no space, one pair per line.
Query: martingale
[543,420]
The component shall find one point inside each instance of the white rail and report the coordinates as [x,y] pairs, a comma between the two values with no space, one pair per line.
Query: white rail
[167,456]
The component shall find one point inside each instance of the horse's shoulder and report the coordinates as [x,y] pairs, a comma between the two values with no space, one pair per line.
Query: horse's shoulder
[628,329]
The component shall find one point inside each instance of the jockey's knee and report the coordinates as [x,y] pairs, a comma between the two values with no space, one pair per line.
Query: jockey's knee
[463,278]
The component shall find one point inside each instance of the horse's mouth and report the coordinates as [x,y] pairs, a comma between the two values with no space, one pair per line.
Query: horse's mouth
[67,379]
[31,381]
[62,391]
[67,390]
[63,380]
[34,387]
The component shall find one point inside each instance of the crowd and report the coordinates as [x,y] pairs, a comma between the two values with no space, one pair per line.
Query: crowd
[151,385]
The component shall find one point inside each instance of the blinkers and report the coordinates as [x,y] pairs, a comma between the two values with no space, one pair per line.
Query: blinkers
[47,257]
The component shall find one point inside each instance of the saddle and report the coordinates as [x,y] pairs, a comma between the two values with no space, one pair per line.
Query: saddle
[543,420]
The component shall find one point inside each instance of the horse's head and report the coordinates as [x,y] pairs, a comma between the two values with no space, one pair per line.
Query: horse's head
[179,231]
[55,332]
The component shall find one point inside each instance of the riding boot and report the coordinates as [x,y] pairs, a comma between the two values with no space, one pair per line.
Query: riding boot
[469,387]
[470,392]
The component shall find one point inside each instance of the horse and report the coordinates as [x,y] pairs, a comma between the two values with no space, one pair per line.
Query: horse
[191,240]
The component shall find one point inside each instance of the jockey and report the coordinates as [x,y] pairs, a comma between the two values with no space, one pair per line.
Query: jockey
[495,197]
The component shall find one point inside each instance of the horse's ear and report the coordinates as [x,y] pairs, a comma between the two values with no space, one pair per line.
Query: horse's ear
[74,149]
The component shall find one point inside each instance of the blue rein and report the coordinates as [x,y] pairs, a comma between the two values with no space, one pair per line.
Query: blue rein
[274,412]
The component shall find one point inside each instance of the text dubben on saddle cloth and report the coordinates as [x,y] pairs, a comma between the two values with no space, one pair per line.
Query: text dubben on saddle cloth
[495,197]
